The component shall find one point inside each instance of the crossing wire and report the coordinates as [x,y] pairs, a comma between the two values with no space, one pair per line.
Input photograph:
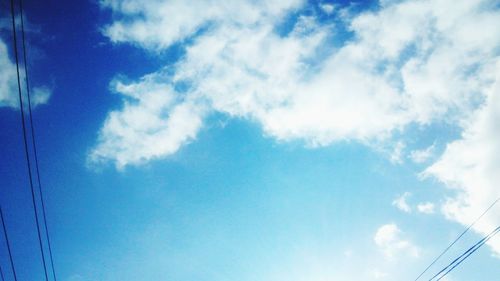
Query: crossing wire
[8,246]
[465,255]
[35,153]
[456,239]
[25,139]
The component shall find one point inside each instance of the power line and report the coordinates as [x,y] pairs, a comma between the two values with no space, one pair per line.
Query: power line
[457,259]
[483,241]
[34,139]
[456,240]
[25,137]
[465,255]
[1,273]
[8,245]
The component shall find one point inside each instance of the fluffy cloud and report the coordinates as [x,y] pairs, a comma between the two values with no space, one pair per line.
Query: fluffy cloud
[153,122]
[156,25]
[389,239]
[471,167]
[407,62]
[401,203]
[9,96]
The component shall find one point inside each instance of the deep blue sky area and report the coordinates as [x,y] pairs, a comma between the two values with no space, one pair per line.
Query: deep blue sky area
[70,57]
[232,204]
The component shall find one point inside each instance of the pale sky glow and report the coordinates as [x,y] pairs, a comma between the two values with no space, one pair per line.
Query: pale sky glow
[259,140]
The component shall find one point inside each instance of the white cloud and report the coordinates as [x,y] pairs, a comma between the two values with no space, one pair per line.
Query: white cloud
[423,155]
[152,122]
[328,8]
[389,239]
[409,62]
[471,166]
[8,79]
[156,25]
[397,153]
[401,202]
[40,95]
[9,96]
[426,208]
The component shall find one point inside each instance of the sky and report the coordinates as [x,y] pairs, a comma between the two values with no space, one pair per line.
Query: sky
[255,140]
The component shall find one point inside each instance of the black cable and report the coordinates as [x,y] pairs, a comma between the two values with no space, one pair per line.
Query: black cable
[34,139]
[461,256]
[456,240]
[25,137]
[467,253]
[471,252]
[8,245]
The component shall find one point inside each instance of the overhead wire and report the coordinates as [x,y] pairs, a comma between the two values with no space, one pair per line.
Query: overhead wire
[25,139]
[456,262]
[458,258]
[8,245]
[35,153]
[456,239]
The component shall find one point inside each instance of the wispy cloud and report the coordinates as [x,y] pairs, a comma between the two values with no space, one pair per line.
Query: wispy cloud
[423,155]
[328,8]
[426,208]
[397,153]
[401,202]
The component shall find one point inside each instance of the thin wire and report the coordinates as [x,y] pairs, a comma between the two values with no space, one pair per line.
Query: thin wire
[491,235]
[25,138]
[470,251]
[8,245]
[1,273]
[34,139]
[456,240]
[461,256]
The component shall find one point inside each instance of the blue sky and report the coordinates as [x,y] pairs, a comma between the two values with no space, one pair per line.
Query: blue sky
[255,140]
